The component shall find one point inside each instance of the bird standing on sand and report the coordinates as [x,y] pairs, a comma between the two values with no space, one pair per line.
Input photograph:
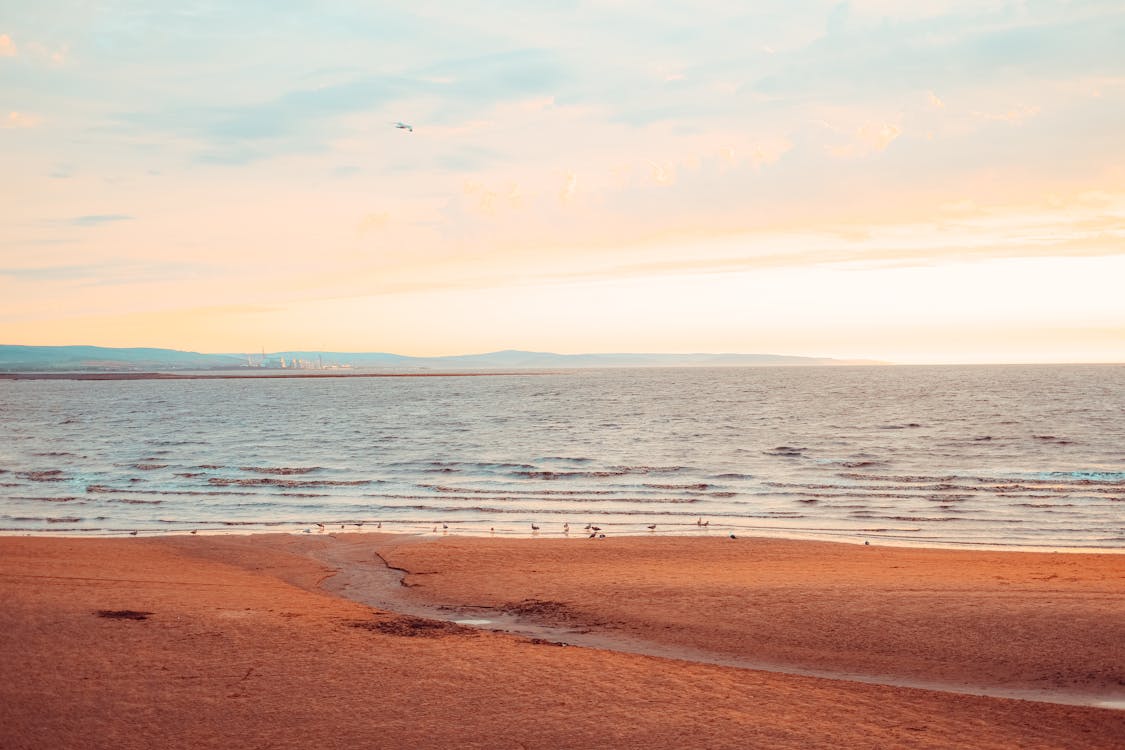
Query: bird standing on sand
[133,533]
[534,527]
[652,527]
[732,536]
[593,536]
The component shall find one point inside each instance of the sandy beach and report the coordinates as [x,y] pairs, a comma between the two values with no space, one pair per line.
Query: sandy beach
[271,641]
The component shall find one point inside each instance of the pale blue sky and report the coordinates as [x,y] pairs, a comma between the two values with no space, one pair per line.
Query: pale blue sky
[230,171]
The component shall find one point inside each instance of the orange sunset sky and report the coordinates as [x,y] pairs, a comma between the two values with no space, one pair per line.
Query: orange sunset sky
[936,181]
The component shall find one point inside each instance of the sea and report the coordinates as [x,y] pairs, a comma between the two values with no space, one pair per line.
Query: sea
[982,456]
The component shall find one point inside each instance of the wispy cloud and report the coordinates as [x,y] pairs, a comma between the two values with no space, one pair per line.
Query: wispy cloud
[111,272]
[869,138]
[22,120]
[7,46]
[307,119]
[96,220]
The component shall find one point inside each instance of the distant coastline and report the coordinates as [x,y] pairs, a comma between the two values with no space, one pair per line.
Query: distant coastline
[221,375]
[97,359]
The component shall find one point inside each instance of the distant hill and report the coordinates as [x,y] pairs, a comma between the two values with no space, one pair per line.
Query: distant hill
[49,358]
[97,358]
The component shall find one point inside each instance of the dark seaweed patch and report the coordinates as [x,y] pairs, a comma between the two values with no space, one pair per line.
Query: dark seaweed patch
[123,614]
[413,627]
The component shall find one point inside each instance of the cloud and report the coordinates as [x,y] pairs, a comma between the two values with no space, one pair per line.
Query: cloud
[22,120]
[373,222]
[111,272]
[566,195]
[1013,115]
[309,119]
[94,220]
[869,138]
[7,46]
[662,174]
[934,101]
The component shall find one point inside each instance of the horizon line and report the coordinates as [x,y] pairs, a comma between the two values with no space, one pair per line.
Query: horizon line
[846,360]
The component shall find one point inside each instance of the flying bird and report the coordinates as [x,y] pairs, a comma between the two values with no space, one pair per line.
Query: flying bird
[404,126]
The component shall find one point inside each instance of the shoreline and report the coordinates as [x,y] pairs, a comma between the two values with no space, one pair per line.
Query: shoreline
[255,637]
[578,536]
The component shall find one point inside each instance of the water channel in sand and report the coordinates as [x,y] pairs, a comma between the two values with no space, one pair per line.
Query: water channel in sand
[376,583]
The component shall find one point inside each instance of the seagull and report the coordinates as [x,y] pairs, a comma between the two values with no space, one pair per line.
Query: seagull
[132,533]
[404,126]
[732,536]
[534,527]
[445,525]
[652,527]
[379,525]
[595,528]
[593,536]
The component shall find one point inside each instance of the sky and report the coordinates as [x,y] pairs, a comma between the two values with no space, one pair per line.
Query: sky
[933,181]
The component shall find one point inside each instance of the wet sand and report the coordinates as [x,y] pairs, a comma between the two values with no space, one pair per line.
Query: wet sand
[243,645]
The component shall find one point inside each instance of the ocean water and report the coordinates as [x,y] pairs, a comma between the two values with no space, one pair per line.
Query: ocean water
[1025,456]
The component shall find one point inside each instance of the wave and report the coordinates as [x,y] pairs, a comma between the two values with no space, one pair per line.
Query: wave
[271,482]
[786,451]
[1052,439]
[475,491]
[48,475]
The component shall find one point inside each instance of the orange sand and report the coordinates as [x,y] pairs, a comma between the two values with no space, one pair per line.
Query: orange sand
[1005,619]
[243,650]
